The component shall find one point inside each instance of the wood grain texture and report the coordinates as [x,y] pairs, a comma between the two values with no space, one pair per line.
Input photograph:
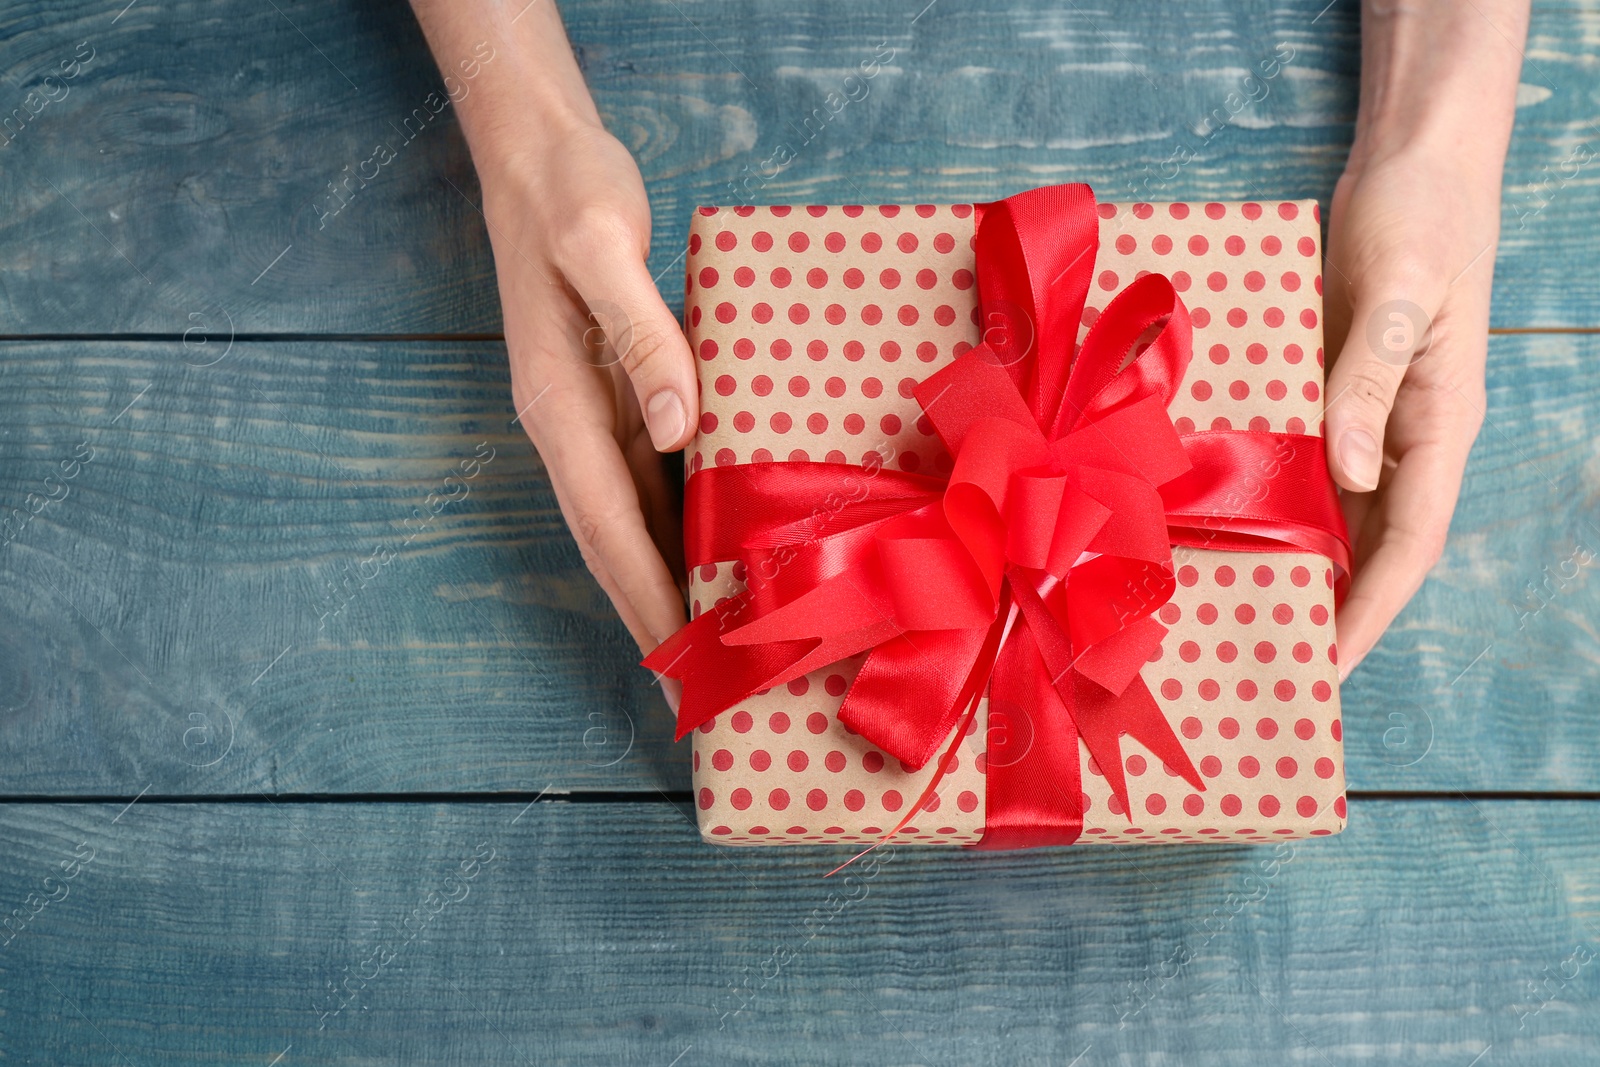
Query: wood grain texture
[606,934]
[1492,673]
[260,580]
[197,147]
[142,617]
[331,566]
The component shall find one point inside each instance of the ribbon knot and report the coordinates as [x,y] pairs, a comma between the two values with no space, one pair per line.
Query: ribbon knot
[1034,571]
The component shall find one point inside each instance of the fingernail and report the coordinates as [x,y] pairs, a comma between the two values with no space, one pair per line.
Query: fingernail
[1358,452]
[665,417]
[672,689]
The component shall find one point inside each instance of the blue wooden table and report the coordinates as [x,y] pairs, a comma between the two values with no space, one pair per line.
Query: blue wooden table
[267,800]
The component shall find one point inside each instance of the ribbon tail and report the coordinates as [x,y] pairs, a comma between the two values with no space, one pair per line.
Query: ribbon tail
[716,676]
[910,691]
[1104,718]
[945,763]
[1031,758]
[1101,716]
[967,707]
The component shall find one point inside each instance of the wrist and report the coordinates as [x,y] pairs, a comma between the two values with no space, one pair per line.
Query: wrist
[508,148]
[1439,80]
[529,94]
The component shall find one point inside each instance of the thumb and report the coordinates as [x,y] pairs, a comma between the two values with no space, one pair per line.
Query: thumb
[630,324]
[1386,335]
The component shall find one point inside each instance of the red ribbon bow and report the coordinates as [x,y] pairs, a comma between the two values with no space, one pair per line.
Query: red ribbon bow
[1035,569]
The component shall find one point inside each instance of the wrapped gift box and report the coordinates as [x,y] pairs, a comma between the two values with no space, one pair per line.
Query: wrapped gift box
[811,325]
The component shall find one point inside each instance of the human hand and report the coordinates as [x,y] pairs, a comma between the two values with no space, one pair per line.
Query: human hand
[587,333]
[1409,266]
[1411,243]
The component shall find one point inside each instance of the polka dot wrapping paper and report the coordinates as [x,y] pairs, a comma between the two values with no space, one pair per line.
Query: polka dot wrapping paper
[810,327]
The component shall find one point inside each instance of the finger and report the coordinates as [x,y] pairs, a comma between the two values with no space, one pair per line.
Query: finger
[1386,333]
[1396,564]
[597,495]
[591,559]
[671,688]
[569,408]
[639,332]
[661,504]
[660,493]
[1400,541]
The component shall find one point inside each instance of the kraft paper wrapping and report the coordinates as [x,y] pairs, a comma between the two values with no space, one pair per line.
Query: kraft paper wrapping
[810,326]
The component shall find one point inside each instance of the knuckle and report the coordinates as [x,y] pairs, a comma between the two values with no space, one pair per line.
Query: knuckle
[592,522]
[1397,331]
[1408,271]
[609,334]
[1367,388]
[597,230]
[1431,542]
[644,349]
[588,526]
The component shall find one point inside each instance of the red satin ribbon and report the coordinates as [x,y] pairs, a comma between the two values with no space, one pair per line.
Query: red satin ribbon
[1034,570]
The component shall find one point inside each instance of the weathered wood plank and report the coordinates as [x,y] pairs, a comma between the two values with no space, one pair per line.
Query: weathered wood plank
[1491,675]
[307,563]
[607,934]
[183,179]
[163,623]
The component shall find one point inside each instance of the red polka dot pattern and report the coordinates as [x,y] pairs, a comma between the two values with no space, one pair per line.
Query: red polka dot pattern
[829,782]
[814,324]
[887,303]
[1235,282]
[1243,705]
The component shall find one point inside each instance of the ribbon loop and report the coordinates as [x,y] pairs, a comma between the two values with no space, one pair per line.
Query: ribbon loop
[1139,347]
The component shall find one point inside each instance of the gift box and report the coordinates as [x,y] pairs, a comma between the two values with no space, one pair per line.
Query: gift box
[814,326]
